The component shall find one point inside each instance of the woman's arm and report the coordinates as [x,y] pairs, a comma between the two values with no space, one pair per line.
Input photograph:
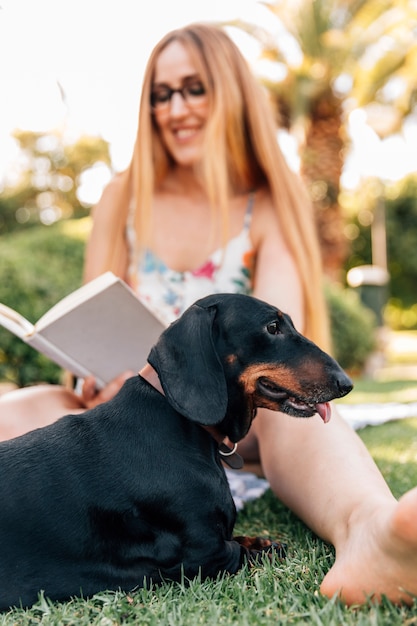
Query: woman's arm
[276,276]
[106,248]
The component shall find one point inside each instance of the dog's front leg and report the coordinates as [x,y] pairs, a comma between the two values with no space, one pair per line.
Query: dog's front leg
[254,548]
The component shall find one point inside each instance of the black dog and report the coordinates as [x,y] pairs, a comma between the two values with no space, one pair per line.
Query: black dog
[134,489]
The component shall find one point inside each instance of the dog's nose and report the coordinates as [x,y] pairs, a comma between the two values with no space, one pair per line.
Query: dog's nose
[344,384]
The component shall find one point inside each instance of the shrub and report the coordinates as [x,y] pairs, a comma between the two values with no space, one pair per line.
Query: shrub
[353,327]
[400,199]
[38,267]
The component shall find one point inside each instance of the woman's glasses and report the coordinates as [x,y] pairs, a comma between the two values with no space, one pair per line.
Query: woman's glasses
[192,93]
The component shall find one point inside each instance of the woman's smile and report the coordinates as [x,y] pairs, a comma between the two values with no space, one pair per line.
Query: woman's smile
[182,114]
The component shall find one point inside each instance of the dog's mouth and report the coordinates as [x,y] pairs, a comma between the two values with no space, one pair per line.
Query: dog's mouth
[290,404]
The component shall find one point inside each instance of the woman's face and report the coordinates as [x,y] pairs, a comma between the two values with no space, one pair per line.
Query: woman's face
[179,115]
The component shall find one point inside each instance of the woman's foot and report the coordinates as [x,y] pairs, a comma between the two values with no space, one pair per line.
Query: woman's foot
[379,557]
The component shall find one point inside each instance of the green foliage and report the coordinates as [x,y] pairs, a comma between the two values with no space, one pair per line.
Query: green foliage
[10,202]
[399,317]
[38,267]
[401,213]
[47,189]
[352,326]
[401,227]
[367,390]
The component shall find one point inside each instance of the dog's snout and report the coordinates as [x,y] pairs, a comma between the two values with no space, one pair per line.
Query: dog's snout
[343,383]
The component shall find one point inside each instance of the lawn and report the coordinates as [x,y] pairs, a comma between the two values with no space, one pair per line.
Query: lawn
[278,592]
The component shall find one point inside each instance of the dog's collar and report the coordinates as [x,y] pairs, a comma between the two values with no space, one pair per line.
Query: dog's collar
[150,374]
[229,455]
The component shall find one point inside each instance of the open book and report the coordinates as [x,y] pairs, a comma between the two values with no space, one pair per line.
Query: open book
[101,329]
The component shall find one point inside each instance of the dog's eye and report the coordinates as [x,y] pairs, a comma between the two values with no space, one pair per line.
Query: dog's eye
[273,328]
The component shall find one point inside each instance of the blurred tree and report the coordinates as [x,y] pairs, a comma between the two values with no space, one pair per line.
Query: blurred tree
[38,267]
[50,177]
[348,54]
[401,203]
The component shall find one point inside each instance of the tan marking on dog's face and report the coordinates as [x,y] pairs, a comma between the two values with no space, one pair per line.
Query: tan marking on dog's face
[231,359]
[281,375]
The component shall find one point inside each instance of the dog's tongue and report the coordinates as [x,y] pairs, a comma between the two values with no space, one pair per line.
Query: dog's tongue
[324,410]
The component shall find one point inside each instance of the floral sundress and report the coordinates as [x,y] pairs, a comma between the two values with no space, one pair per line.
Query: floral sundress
[169,292]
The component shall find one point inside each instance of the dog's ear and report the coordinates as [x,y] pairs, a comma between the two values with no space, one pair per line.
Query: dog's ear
[189,368]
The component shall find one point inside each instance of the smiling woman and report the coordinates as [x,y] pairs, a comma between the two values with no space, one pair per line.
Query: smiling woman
[207,189]
[180,104]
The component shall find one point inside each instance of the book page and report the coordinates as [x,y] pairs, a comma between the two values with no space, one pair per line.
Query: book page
[108,334]
[43,346]
[75,298]
[14,322]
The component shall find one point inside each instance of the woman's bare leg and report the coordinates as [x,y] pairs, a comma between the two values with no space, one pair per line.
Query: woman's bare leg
[324,473]
[25,409]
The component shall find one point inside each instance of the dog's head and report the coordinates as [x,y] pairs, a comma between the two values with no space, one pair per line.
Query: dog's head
[229,354]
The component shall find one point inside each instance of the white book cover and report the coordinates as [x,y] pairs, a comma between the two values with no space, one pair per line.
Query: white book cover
[101,329]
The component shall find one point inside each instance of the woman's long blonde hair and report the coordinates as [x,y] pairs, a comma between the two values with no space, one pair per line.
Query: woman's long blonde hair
[240,152]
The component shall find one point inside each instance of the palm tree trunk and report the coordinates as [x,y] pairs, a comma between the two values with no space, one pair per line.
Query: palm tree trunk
[321,167]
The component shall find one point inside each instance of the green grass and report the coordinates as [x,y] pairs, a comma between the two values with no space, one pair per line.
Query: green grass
[394,448]
[370,391]
[396,379]
[268,595]
[274,593]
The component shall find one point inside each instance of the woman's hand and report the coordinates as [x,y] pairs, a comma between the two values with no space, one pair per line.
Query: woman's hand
[91,397]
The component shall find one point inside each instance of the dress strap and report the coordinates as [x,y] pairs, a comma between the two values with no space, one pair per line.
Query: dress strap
[249,211]
[130,231]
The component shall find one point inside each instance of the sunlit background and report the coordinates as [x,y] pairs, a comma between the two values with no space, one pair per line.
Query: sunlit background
[77,65]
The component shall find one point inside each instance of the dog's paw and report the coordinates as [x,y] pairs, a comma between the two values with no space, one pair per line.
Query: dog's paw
[257,547]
